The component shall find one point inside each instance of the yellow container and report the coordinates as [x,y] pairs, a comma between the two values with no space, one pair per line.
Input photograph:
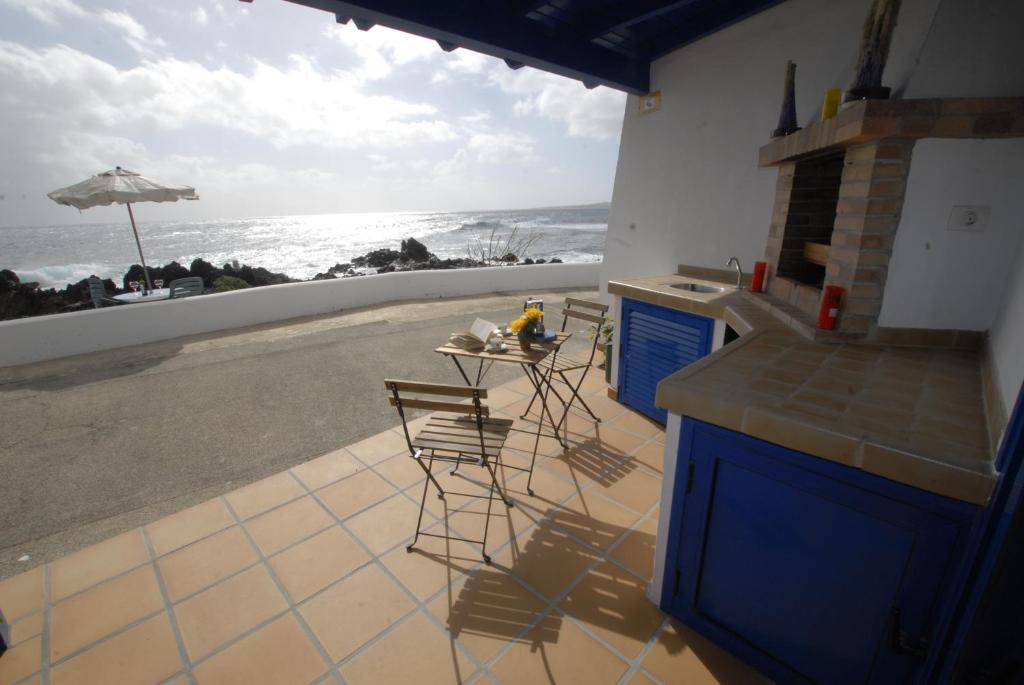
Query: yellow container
[831,105]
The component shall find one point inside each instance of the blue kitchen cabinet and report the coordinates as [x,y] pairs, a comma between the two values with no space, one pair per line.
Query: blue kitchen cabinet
[809,570]
[655,342]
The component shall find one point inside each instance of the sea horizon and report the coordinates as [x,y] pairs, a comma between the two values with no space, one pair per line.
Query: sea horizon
[298,245]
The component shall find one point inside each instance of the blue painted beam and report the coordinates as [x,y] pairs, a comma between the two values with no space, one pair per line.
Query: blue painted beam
[720,15]
[478,26]
[626,14]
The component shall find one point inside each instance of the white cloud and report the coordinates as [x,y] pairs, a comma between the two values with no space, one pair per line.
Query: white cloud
[134,33]
[200,16]
[593,113]
[381,49]
[297,105]
[501,148]
[48,11]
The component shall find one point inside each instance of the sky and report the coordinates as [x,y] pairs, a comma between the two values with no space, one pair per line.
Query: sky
[272,108]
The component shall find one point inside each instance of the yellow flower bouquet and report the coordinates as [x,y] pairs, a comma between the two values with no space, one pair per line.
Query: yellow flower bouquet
[525,326]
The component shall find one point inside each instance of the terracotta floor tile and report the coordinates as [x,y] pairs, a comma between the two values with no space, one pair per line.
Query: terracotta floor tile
[523,439]
[22,594]
[313,564]
[206,562]
[548,488]
[681,655]
[286,525]
[100,610]
[146,653]
[523,386]
[505,524]
[368,600]
[21,661]
[605,407]
[612,602]
[502,396]
[225,611]
[89,566]
[264,494]
[278,653]
[548,560]
[434,563]
[639,491]
[652,455]
[177,530]
[594,519]
[402,471]
[617,443]
[590,463]
[331,467]
[565,655]
[379,447]
[637,549]
[386,524]
[26,627]
[415,652]
[486,609]
[355,493]
[637,423]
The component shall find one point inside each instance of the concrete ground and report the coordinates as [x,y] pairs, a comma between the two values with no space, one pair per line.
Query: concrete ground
[94,445]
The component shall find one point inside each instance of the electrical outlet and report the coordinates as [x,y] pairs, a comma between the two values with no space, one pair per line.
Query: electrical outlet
[971,218]
[650,102]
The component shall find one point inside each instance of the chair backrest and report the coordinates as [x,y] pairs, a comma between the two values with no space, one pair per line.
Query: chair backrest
[97,292]
[585,310]
[184,287]
[417,395]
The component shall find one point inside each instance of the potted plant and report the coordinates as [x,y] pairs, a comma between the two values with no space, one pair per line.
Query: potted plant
[525,327]
[605,332]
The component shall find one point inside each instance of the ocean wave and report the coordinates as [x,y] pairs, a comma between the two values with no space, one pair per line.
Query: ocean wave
[58,276]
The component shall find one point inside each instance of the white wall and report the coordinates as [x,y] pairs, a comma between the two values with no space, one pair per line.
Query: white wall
[952,279]
[23,341]
[1007,335]
[687,186]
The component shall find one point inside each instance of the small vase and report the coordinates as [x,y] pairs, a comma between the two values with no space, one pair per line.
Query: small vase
[524,344]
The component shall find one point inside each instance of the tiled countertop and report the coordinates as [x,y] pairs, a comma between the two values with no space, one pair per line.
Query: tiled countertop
[913,415]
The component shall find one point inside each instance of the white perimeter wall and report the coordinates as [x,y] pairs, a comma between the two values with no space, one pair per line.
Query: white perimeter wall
[23,341]
[940,278]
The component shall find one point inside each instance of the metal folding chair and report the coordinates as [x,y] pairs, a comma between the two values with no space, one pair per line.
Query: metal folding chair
[455,433]
[560,365]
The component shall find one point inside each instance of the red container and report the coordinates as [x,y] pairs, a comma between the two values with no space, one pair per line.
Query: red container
[831,302]
[757,282]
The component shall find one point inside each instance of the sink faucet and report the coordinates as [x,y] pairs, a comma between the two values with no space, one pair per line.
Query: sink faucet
[735,263]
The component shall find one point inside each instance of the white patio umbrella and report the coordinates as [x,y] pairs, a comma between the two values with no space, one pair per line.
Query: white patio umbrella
[123,187]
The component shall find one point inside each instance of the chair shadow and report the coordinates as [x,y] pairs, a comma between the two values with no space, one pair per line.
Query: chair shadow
[485,606]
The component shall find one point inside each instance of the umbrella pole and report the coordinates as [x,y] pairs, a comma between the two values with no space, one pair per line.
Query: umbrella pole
[138,244]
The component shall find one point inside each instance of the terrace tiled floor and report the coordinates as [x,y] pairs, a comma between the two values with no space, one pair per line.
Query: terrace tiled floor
[303,578]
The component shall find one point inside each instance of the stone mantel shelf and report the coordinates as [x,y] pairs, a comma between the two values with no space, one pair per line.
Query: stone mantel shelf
[868,120]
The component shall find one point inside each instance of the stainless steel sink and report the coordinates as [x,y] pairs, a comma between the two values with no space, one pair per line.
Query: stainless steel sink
[697,287]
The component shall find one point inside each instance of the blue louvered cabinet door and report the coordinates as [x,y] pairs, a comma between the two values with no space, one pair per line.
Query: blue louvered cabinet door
[655,342]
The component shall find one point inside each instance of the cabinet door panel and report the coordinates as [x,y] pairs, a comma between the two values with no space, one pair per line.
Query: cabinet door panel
[799,570]
[655,343]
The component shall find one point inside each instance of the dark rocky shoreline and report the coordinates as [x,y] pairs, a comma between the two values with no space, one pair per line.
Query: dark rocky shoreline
[19,300]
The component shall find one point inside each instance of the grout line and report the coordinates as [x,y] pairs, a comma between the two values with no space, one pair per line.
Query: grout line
[175,629]
[44,641]
[106,638]
[264,561]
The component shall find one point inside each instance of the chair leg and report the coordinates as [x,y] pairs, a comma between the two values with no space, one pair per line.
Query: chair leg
[426,469]
[487,521]
[419,519]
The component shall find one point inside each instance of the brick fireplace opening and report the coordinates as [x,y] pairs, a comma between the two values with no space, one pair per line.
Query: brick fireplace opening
[810,218]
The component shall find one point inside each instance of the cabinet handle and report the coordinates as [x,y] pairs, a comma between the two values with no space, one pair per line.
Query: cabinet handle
[902,644]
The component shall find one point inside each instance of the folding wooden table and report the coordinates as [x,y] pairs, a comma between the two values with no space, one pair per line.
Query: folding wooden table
[528,361]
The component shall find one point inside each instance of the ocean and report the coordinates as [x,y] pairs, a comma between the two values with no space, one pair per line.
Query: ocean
[299,246]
